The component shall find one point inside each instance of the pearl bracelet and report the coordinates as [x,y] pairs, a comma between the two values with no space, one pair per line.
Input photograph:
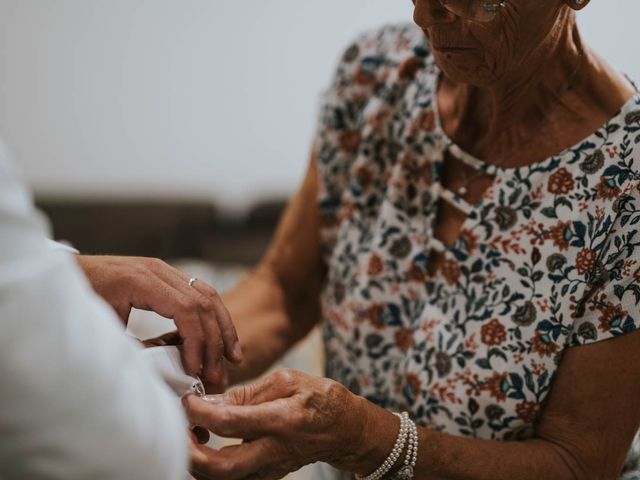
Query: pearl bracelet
[406,472]
[407,428]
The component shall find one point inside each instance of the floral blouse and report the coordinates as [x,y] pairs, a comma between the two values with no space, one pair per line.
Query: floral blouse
[547,260]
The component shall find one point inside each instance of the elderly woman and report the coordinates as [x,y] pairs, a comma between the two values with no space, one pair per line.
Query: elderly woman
[467,235]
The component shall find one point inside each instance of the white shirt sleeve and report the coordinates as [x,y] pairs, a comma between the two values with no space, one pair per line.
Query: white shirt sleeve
[77,400]
[61,247]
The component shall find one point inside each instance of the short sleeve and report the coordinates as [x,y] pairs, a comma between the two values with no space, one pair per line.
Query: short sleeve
[362,71]
[338,136]
[611,305]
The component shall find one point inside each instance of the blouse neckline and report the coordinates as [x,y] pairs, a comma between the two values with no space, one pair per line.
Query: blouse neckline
[491,169]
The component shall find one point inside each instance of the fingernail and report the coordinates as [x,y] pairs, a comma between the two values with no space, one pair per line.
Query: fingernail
[214,399]
[237,351]
[201,434]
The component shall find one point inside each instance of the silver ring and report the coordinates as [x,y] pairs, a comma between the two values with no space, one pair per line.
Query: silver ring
[192,281]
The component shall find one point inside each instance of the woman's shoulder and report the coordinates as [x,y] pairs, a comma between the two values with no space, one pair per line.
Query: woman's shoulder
[621,136]
[390,38]
[384,46]
[630,116]
[616,144]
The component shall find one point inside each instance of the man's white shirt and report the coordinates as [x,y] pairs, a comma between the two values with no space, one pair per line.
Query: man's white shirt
[77,400]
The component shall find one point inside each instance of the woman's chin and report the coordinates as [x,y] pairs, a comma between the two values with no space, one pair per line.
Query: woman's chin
[465,72]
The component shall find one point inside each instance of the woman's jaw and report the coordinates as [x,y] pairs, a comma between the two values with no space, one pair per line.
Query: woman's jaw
[522,38]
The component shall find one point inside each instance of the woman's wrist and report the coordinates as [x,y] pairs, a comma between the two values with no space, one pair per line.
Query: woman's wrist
[372,438]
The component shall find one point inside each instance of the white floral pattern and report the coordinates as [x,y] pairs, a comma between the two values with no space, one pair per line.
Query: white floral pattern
[547,260]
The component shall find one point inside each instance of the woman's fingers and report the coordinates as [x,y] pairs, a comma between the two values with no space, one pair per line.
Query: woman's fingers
[199,458]
[280,384]
[281,418]
[258,459]
[232,421]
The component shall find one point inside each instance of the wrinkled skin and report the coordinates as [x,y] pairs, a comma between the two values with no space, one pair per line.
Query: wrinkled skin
[521,88]
[502,92]
[287,420]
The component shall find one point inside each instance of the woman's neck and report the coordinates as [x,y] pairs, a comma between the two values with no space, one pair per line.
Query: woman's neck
[562,94]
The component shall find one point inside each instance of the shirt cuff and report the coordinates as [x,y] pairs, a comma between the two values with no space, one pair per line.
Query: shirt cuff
[61,247]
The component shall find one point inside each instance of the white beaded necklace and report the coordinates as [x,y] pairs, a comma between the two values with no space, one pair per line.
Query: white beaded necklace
[463,189]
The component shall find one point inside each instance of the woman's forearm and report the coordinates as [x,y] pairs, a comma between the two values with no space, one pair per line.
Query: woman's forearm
[326,422]
[279,304]
[446,457]
[268,320]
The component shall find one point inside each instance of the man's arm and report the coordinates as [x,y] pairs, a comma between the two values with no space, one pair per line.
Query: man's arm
[76,400]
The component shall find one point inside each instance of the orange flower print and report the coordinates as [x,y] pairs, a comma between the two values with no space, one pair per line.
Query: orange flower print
[561,182]
[560,235]
[451,271]
[363,176]
[409,68]
[611,315]
[404,339]
[417,273]
[528,411]
[372,315]
[585,260]
[375,265]
[497,386]
[350,141]
[467,337]
[347,210]
[469,240]
[493,333]
[607,189]
[351,54]
[416,170]
[378,121]
[577,308]
[414,383]
[364,76]
[543,346]
[427,120]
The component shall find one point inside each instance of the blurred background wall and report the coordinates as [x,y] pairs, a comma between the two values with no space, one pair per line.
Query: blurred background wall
[191,100]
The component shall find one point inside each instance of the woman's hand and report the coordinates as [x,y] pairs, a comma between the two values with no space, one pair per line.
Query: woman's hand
[203,322]
[289,420]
